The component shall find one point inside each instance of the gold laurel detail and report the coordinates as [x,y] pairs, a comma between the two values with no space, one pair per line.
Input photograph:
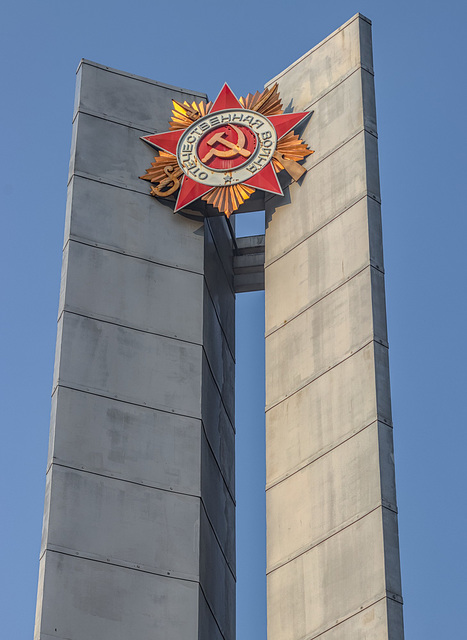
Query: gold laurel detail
[164,173]
[228,199]
[289,151]
[184,114]
[268,102]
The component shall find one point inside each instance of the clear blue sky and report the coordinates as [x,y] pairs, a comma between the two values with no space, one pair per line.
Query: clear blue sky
[419,50]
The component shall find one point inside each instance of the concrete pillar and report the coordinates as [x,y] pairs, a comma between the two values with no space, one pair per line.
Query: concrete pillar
[139,524]
[332,540]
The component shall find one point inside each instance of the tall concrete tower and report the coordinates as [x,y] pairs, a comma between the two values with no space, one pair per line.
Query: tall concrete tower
[139,522]
[332,538]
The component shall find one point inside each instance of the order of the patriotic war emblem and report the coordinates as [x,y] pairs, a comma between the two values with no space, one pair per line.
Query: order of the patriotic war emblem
[222,152]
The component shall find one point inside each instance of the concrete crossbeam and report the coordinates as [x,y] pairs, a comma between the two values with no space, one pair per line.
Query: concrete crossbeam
[248,264]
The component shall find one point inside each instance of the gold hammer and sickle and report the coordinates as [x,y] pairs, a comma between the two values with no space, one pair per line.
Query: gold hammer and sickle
[233,149]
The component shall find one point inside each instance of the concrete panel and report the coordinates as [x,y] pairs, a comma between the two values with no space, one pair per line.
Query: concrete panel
[217,580]
[370,624]
[337,116]
[88,600]
[208,627]
[386,467]
[219,503]
[219,428]
[333,185]
[218,352]
[132,99]
[383,390]
[391,554]
[325,65]
[38,619]
[379,306]
[113,520]
[395,620]
[322,414]
[132,292]
[332,581]
[126,441]
[341,486]
[220,286]
[45,524]
[122,156]
[221,231]
[340,114]
[227,399]
[133,223]
[372,166]
[369,100]
[130,365]
[317,266]
[319,338]
[375,233]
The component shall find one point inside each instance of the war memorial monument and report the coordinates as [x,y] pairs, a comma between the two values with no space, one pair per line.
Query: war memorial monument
[139,521]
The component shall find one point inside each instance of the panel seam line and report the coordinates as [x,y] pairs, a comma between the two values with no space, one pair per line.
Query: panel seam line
[378,599]
[311,546]
[172,413]
[318,229]
[324,453]
[117,398]
[366,343]
[67,309]
[136,568]
[82,469]
[290,319]
[127,254]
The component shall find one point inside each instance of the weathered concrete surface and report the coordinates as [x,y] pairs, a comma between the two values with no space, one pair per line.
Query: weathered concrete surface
[332,581]
[81,598]
[341,486]
[139,521]
[332,542]
[325,407]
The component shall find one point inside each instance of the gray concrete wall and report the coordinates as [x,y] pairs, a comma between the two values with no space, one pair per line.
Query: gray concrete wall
[139,525]
[332,541]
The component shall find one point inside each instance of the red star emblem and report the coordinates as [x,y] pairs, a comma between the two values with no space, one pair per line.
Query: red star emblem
[222,152]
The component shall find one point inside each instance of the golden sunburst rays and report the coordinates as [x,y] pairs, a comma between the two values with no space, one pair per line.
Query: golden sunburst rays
[268,102]
[183,115]
[228,199]
[164,173]
[289,151]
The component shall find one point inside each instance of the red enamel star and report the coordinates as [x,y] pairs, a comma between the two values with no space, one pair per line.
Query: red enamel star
[232,146]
